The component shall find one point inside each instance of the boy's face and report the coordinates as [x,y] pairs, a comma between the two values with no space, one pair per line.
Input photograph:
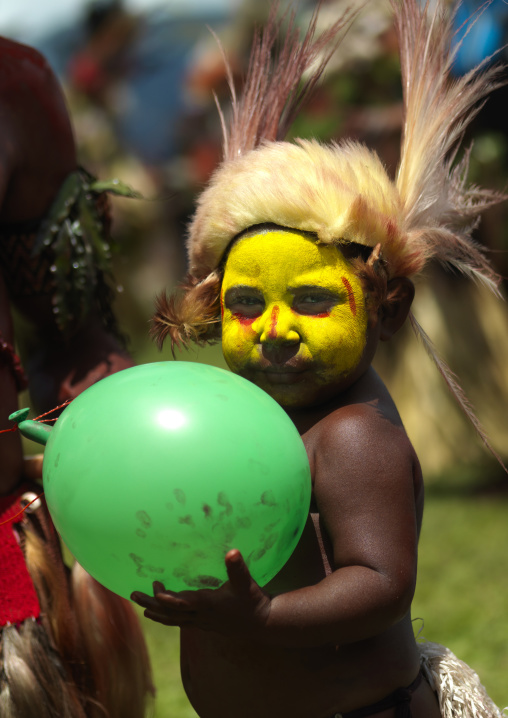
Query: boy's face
[293,317]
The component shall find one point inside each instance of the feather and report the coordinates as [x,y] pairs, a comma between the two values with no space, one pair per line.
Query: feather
[272,95]
[439,207]
[192,314]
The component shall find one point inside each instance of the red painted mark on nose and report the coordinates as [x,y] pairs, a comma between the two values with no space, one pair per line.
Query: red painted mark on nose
[272,334]
[350,295]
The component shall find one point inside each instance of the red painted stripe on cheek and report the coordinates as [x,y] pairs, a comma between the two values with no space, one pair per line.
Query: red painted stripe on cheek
[272,334]
[350,295]
[243,320]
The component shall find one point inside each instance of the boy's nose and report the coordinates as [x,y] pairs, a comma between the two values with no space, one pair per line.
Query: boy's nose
[279,326]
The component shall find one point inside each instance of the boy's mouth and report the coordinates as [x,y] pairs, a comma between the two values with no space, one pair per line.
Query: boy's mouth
[283,375]
[289,372]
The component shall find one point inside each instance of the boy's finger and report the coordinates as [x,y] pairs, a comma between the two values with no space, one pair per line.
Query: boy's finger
[142,599]
[158,587]
[238,573]
[170,601]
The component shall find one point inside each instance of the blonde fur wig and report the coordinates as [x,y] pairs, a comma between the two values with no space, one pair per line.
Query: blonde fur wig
[341,192]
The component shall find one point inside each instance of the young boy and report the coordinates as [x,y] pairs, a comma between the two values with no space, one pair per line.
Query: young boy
[306,254]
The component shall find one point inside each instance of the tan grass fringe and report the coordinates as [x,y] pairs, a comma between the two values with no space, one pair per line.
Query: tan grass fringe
[458,687]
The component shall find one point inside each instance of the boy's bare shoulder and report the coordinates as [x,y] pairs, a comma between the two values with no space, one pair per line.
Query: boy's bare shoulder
[363,428]
[365,413]
[364,437]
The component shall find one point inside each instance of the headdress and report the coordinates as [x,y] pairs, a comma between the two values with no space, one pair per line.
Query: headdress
[341,191]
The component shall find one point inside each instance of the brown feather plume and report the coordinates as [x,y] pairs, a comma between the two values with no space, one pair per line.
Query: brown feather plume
[441,209]
[190,314]
[273,94]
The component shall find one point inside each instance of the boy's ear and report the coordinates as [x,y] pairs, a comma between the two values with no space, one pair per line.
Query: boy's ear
[394,310]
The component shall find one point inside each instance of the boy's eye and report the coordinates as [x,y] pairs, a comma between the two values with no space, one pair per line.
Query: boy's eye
[313,303]
[245,305]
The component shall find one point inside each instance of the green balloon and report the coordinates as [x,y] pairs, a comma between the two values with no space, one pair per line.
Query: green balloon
[156,472]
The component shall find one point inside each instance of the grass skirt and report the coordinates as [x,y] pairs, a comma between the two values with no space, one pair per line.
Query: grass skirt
[458,687]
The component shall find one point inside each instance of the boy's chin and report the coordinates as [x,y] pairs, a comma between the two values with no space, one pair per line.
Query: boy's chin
[296,396]
[307,393]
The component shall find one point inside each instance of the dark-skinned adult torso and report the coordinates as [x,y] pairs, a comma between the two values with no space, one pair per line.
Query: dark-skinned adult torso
[36,154]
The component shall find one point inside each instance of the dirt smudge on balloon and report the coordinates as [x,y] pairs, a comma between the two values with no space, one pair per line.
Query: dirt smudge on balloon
[268,543]
[204,582]
[223,501]
[269,528]
[243,522]
[180,496]
[144,519]
[268,498]
[198,581]
[224,533]
[256,555]
[141,567]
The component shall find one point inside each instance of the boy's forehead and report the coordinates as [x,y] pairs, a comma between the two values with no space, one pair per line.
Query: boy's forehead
[283,252]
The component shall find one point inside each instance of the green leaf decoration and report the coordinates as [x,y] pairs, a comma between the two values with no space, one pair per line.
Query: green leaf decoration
[74,231]
[115,186]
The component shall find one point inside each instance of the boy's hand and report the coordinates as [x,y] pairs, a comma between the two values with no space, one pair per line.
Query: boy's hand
[239,607]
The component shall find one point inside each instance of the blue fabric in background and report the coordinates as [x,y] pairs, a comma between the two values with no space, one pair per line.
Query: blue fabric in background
[487,36]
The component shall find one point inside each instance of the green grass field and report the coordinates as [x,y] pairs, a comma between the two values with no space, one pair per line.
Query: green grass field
[461,596]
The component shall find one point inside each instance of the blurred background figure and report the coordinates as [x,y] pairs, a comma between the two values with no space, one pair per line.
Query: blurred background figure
[68,647]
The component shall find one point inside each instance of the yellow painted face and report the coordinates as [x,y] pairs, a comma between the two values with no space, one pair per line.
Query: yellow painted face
[293,316]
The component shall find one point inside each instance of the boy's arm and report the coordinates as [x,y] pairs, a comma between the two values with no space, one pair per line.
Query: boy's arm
[365,495]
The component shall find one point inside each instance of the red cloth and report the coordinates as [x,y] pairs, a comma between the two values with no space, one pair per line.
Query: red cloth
[18,599]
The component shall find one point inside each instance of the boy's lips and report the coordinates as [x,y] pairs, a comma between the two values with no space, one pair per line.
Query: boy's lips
[288,373]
